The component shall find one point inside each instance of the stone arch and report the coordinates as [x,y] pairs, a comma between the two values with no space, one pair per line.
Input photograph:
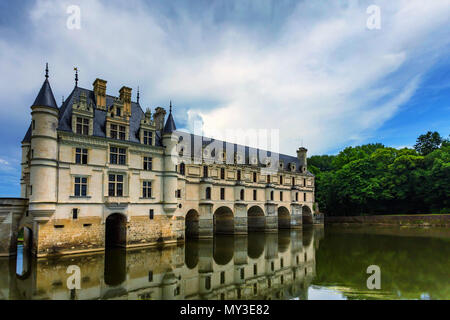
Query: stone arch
[223,220]
[307,217]
[116,230]
[256,221]
[284,218]
[191,224]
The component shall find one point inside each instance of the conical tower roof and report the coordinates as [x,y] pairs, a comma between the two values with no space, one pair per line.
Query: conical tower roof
[170,123]
[45,96]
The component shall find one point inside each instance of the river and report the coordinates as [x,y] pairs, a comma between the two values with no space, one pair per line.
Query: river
[316,263]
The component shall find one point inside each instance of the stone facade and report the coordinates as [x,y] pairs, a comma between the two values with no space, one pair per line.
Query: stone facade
[99,167]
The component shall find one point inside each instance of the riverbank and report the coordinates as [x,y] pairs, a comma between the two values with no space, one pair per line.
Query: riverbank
[435,220]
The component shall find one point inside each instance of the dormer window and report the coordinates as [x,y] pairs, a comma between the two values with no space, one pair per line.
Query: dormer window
[118,132]
[119,112]
[82,126]
[148,137]
[292,166]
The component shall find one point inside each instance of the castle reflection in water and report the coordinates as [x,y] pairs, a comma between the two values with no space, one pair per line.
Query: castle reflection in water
[255,266]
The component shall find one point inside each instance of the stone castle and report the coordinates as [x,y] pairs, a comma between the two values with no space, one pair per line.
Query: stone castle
[98,171]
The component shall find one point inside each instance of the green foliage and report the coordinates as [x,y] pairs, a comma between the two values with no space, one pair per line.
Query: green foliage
[428,142]
[374,179]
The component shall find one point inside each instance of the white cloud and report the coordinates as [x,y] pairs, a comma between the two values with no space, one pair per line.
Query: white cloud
[322,77]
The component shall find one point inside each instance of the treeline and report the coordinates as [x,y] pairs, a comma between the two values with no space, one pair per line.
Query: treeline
[374,179]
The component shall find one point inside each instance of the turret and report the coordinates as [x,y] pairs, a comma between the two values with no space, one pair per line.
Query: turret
[44,153]
[301,155]
[170,140]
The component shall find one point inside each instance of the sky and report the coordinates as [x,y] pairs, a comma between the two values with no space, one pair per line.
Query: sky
[315,72]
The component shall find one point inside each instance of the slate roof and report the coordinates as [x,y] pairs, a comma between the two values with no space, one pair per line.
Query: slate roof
[45,96]
[65,124]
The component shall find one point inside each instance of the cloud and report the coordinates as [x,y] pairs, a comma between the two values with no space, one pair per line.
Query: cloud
[312,70]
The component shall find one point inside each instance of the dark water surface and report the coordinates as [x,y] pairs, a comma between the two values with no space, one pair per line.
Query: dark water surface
[316,263]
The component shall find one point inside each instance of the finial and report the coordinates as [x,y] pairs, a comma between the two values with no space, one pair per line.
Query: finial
[138,95]
[76,76]
[46,70]
[170,107]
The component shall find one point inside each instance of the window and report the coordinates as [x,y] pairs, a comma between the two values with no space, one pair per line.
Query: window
[148,163]
[239,175]
[118,112]
[255,288]
[118,155]
[304,196]
[148,137]
[208,282]
[254,176]
[74,213]
[81,156]
[150,214]
[222,193]
[205,171]
[272,266]
[281,195]
[208,193]
[115,186]
[178,193]
[182,169]
[242,194]
[146,189]
[80,186]
[222,277]
[268,179]
[254,195]
[82,126]
[150,276]
[281,179]
[34,124]
[255,269]
[31,190]
[304,182]
[293,181]
[242,273]
[271,195]
[118,132]
[296,196]
[222,173]
[281,263]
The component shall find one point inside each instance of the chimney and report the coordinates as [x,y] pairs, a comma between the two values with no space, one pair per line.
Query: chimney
[125,97]
[158,117]
[301,155]
[100,93]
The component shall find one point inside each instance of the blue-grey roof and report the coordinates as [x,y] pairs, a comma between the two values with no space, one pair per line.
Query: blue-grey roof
[198,142]
[45,97]
[65,121]
[65,124]
[170,124]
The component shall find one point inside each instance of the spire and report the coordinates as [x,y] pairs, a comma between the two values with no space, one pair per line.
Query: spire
[138,95]
[170,123]
[45,96]
[76,76]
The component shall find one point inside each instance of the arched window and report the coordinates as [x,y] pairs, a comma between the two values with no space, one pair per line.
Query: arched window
[182,168]
[242,194]
[208,193]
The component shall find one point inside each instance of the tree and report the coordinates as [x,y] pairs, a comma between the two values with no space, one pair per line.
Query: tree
[427,143]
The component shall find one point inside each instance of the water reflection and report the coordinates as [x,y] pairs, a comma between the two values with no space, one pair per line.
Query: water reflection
[257,266]
[313,263]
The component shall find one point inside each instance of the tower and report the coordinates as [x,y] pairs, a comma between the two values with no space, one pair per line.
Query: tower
[169,140]
[44,154]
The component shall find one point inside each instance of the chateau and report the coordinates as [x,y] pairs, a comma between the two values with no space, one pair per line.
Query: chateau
[98,171]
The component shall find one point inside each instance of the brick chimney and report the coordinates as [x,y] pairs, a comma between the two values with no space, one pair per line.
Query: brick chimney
[125,96]
[100,93]
[301,155]
[158,117]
